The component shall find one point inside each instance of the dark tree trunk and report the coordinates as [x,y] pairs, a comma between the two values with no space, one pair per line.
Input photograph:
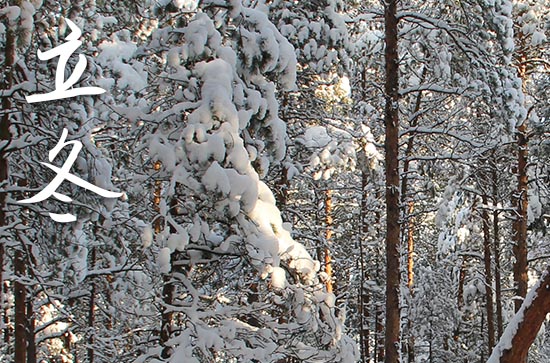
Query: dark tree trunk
[31,342]
[364,332]
[496,254]
[5,135]
[488,275]
[391,120]
[520,221]
[519,199]
[20,293]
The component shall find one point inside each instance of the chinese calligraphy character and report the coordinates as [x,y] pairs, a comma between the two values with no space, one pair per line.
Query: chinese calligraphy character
[63,87]
[62,175]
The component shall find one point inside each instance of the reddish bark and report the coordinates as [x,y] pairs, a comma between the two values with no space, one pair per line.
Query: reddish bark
[533,316]
[391,120]
[5,134]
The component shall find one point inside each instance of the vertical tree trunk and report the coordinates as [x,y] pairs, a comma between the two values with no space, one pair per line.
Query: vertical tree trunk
[5,135]
[519,199]
[20,309]
[168,288]
[488,275]
[409,203]
[329,232]
[31,342]
[496,254]
[460,296]
[391,120]
[524,327]
[364,332]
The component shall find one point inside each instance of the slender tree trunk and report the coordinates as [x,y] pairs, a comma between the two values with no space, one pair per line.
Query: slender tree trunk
[31,342]
[525,331]
[329,232]
[460,296]
[488,275]
[519,199]
[496,254]
[392,184]
[168,288]
[364,332]
[20,293]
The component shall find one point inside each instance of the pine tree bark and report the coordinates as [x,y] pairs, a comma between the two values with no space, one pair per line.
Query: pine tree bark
[5,135]
[488,275]
[20,293]
[31,342]
[391,121]
[524,333]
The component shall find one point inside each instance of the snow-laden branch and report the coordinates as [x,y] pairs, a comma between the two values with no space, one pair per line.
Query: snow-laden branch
[525,325]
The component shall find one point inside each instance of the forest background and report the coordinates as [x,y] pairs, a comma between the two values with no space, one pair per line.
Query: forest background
[304,181]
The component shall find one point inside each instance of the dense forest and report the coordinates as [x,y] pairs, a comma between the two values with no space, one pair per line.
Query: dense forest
[317,181]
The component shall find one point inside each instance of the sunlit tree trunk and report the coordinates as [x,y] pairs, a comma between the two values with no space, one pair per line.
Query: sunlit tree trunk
[391,120]
[524,333]
[408,203]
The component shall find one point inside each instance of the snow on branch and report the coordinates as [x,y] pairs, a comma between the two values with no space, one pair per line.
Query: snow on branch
[525,325]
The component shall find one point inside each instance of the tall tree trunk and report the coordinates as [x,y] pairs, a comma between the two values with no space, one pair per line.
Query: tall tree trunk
[5,135]
[31,342]
[20,293]
[329,232]
[168,288]
[409,203]
[519,200]
[496,254]
[391,121]
[524,330]
[364,332]
[488,275]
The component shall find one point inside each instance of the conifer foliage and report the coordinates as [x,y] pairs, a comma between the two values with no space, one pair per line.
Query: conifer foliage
[322,181]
